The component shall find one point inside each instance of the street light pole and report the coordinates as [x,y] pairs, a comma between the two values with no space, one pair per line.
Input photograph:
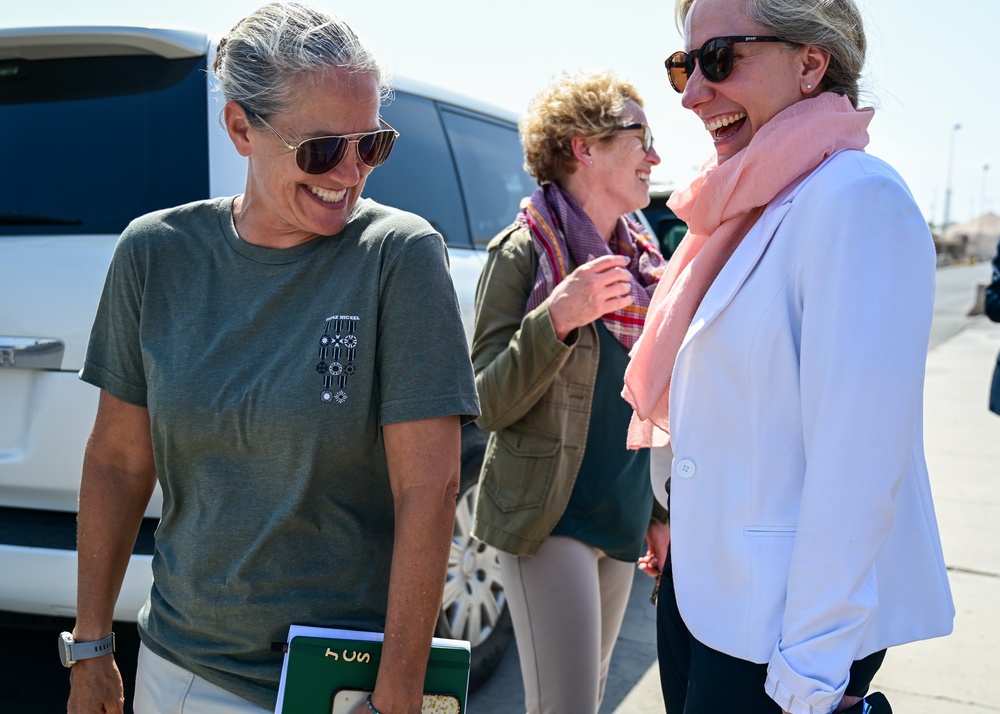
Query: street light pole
[947,190]
[982,198]
[982,212]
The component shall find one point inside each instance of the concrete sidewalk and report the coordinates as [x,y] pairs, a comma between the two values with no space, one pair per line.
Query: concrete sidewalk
[959,674]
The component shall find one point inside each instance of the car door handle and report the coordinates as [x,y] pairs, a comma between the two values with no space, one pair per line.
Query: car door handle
[31,352]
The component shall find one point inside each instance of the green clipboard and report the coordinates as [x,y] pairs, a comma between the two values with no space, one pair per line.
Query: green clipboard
[322,664]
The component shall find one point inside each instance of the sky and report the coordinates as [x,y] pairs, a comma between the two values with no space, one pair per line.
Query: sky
[926,71]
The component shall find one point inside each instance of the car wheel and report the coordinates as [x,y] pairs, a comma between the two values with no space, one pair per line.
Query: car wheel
[474,606]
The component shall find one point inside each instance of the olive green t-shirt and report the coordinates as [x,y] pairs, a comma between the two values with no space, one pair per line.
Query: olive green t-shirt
[268,375]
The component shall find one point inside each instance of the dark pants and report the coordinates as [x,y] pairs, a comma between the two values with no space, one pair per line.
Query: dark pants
[699,680]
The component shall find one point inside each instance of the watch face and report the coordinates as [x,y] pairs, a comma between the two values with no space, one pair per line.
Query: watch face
[65,640]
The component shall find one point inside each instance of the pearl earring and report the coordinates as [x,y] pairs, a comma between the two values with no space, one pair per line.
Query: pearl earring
[809,86]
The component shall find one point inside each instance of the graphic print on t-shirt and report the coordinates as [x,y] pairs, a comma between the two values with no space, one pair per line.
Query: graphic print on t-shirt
[337,351]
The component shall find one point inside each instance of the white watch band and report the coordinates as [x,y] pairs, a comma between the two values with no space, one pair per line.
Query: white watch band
[73,651]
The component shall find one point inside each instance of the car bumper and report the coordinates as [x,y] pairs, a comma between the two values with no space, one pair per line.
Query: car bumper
[42,581]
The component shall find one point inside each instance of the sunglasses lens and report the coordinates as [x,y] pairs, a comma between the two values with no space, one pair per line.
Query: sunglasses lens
[317,156]
[374,148]
[647,138]
[679,67]
[716,60]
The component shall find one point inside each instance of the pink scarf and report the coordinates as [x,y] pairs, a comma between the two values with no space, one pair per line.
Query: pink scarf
[720,207]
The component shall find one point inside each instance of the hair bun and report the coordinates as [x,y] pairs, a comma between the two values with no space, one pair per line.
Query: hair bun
[219,51]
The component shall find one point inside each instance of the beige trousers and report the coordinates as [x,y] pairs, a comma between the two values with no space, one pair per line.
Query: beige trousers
[567,602]
[161,687]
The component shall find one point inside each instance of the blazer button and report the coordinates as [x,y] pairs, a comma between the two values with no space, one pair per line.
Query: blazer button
[686,468]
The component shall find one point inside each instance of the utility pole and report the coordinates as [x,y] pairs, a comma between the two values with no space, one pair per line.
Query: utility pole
[982,199]
[947,189]
[982,213]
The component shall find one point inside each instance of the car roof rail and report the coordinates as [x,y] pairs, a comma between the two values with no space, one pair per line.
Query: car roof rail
[44,43]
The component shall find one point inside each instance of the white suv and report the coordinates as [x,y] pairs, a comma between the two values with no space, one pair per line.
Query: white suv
[102,124]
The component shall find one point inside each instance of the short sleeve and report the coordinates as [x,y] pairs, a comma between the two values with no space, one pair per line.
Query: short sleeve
[423,363]
[114,355]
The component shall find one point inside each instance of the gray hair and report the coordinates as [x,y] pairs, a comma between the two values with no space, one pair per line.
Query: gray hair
[834,25]
[257,60]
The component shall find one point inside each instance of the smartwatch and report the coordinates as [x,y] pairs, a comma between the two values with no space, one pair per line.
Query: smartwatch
[71,651]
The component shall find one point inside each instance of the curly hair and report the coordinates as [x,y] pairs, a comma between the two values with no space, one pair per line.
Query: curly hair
[588,105]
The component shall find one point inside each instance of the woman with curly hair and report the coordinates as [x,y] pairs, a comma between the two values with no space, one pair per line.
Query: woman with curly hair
[562,299]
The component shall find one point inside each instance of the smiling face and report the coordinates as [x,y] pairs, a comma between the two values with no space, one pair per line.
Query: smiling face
[283,205]
[767,77]
[620,172]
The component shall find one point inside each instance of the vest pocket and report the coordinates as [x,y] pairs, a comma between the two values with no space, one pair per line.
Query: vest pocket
[520,468]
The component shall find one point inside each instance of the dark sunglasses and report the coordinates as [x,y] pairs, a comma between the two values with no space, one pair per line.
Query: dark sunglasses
[324,153]
[715,58]
[647,134]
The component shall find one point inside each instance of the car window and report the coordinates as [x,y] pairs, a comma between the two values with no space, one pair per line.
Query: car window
[419,176]
[669,229]
[90,143]
[490,166]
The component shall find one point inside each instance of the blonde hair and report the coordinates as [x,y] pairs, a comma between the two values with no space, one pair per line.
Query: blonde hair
[833,25]
[589,105]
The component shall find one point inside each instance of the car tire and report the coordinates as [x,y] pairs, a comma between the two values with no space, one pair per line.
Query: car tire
[474,606]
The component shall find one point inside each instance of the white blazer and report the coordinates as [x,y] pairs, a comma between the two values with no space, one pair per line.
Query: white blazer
[802,529]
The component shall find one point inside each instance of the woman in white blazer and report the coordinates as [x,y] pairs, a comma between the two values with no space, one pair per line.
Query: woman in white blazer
[783,358]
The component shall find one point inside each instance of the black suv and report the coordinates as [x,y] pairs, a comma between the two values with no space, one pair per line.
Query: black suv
[667,227]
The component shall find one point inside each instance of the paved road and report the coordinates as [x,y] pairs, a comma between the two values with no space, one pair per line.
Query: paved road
[956,675]
[955,297]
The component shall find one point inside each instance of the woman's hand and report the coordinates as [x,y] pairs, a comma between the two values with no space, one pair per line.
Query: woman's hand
[96,686]
[846,703]
[590,292]
[658,539]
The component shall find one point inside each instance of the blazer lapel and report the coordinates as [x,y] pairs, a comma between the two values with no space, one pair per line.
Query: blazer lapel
[746,256]
[737,268]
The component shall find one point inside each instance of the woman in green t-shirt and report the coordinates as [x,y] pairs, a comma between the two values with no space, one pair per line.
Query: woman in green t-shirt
[256,355]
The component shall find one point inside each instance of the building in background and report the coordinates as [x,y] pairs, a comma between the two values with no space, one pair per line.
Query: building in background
[973,240]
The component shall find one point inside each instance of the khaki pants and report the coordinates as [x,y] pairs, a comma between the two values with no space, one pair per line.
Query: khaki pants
[567,602]
[161,687]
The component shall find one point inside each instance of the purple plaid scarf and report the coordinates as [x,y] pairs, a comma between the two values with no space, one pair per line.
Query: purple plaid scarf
[561,230]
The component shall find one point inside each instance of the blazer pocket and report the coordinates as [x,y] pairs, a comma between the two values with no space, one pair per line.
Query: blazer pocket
[522,467]
[768,531]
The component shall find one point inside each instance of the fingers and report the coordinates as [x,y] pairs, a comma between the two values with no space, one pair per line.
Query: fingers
[846,703]
[649,565]
[584,301]
[658,538]
[96,685]
[590,292]
[605,270]
[603,278]
[604,263]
